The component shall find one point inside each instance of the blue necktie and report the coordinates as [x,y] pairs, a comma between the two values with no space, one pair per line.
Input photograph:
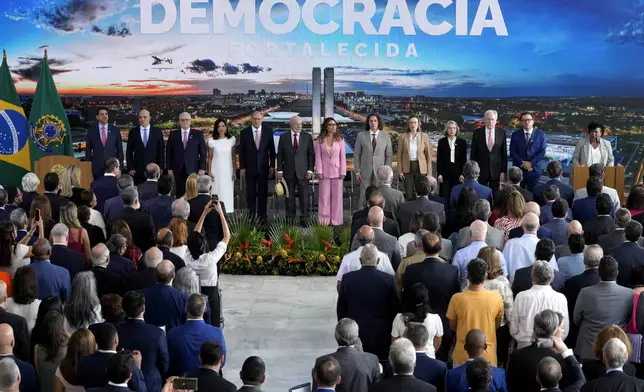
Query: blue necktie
[145,137]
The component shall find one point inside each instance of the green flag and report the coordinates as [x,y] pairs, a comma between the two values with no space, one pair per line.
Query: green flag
[14,131]
[49,128]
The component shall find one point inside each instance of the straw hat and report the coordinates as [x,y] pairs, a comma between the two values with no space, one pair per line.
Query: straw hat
[280,188]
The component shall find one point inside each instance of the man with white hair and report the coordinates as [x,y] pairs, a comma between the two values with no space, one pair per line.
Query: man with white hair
[369,297]
[61,255]
[402,358]
[489,149]
[212,224]
[386,243]
[145,145]
[478,233]
[147,277]
[106,281]
[185,153]
[393,197]
[295,163]
[519,252]
[614,356]
[20,221]
[542,232]
[103,141]
[141,224]
[30,183]
[9,375]
[527,150]
[351,261]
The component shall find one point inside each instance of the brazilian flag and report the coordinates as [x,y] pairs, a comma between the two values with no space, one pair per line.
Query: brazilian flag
[14,131]
[48,125]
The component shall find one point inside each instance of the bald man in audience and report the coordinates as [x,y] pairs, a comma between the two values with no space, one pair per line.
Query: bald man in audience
[351,261]
[17,323]
[150,187]
[147,277]
[165,306]
[478,233]
[164,243]
[29,381]
[542,233]
[106,281]
[519,252]
[385,243]
[145,145]
[574,227]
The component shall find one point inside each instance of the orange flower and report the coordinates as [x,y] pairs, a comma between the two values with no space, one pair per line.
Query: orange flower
[328,246]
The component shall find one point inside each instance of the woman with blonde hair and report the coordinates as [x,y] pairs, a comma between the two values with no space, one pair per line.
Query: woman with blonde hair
[595,368]
[191,187]
[179,230]
[70,184]
[67,378]
[451,155]
[514,218]
[414,155]
[78,239]
[132,251]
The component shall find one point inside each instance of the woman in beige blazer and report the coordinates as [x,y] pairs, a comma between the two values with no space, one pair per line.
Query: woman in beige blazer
[414,155]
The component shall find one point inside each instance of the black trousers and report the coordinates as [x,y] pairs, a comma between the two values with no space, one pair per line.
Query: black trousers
[303,193]
[215,304]
[257,195]
[450,180]
[180,178]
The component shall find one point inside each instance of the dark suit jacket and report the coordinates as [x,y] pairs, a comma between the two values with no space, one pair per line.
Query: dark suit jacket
[138,155]
[142,227]
[584,209]
[614,382]
[369,297]
[256,161]
[177,261]
[611,240]
[533,152]
[27,198]
[558,228]
[193,157]
[165,306]
[627,255]
[184,344]
[28,378]
[64,257]
[107,282]
[51,280]
[56,202]
[595,228]
[443,160]
[595,368]
[573,286]
[482,191]
[427,369]
[20,333]
[521,373]
[400,383]
[546,214]
[148,190]
[104,188]
[160,208]
[112,210]
[523,281]
[96,153]
[292,163]
[212,224]
[360,369]
[576,377]
[147,277]
[420,204]
[541,233]
[456,380]
[151,342]
[95,234]
[565,191]
[493,163]
[359,219]
[209,380]
[527,195]
[92,369]
[120,266]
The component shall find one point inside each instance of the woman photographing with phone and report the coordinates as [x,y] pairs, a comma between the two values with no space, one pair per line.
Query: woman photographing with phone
[204,262]
[15,254]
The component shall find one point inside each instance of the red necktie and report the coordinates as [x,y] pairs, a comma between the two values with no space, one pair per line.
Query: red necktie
[295,142]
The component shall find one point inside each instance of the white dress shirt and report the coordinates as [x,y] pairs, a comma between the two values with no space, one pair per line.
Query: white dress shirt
[403,241]
[595,155]
[141,128]
[487,134]
[581,193]
[96,219]
[519,253]
[413,147]
[452,149]
[206,265]
[464,255]
[530,302]
[351,262]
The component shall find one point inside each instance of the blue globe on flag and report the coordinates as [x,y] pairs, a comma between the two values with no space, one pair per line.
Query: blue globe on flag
[12,131]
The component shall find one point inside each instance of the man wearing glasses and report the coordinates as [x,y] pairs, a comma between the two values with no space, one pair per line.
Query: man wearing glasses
[527,149]
[186,153]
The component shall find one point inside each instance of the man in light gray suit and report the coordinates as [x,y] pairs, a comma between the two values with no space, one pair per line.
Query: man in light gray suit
[600,305]
[419,204]
[393,197]
[385,243]
[494,236]
[372,150]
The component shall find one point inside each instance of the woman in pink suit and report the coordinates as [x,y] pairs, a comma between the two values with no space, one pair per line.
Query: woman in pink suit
[331,167]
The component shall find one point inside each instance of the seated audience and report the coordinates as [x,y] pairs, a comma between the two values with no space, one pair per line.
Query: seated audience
[147,277]
[574,227]
[595,368]
[95,234]
[132,252]
[70,184]
[50,353]
[68,378]
[415,306]
[615,355]
[478,233]
[83,307]
[10,375]
[514,216]
[61,255]
[402,358]
[573,265]
[494,237]
[515,176]
[602,224]
[327,373]
[629,253]
[475,346]
[29,382]
[475,308]
[523,277]
[51,280]
[351,261]
[25,300]
[77,240]
[112,309]
[119,265]
[559,222]
[160,206]
[252,374]
[164,243]
[106,281]
[211,357]
[165,305]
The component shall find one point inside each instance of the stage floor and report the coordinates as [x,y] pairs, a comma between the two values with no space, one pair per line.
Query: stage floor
[287,321]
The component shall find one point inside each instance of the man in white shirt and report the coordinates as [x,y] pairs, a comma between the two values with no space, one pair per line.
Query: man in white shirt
[351,261]
[597,170]
[478,233]
[529,303]
[519,252]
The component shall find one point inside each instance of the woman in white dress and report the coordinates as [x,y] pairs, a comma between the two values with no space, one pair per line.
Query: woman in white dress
[221,163]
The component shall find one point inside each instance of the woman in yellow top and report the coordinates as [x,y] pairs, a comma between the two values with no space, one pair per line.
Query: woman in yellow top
[414,155]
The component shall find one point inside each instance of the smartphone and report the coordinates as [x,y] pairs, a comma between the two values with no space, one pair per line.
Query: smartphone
[184,384]
[37,215]
[215,199]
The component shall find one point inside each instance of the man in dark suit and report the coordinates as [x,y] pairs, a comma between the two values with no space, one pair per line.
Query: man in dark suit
[92,368]
[185,153]
[295,162]
[402,358]
[515,176]
[544,250]
[105,187]
[165,305]
[114,205]
[360,217]
[212,224]
[252,374]
[18,325]
[52,186]
[160,207]
[616,238]
[135,334]
[360,369]
[489,149]
[147,277]
[629,253]
[4,211]
[185,341]
[10,375]
[28,378]
[614,356]
[442,282]
[118,368]
[527,149]
[551,194]
[369,297]
[549,372]
[555,171]
[211,356]
[140,223]
[256,163]
[393,197]
[471,172]
[145,145]
[106,281]
[558,224]
[164,243]
[30,183]
[63,256]
[585,209]
[150,187]
[103,141]
[51,280]
[603,223]
[420,204]
[119,265]
[386,243]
